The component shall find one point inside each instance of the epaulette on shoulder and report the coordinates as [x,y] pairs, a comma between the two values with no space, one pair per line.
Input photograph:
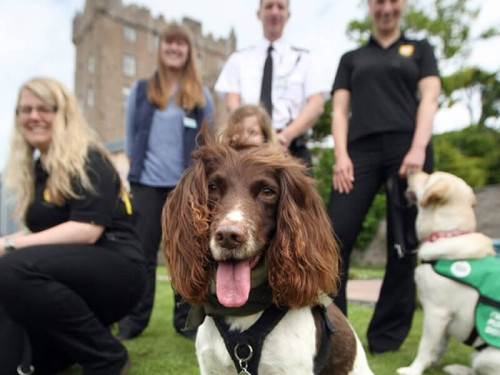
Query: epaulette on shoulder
[301,50]
[245,49]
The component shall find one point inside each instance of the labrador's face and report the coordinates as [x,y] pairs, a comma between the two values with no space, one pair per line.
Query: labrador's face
[444,201]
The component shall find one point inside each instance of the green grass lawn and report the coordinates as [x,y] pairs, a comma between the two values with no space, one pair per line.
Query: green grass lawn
[160,351]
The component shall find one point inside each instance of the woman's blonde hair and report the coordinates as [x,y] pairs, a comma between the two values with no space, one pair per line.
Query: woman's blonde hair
[66,156]
[190,91]
[234,124]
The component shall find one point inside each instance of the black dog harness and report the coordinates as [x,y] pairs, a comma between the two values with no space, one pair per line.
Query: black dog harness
[245,347]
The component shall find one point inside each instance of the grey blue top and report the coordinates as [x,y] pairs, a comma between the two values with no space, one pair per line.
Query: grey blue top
[164,158]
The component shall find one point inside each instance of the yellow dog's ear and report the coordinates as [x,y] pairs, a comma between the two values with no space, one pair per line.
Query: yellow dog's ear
[436,193]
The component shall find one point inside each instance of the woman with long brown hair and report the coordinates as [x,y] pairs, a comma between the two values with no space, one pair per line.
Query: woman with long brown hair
[164,116]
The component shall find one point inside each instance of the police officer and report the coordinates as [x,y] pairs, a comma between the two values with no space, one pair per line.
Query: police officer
[296,86]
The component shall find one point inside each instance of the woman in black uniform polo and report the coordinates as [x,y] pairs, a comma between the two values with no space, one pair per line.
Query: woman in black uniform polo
[384,100]
[78,266]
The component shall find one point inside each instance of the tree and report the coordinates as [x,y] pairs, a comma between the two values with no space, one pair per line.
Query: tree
[470,81]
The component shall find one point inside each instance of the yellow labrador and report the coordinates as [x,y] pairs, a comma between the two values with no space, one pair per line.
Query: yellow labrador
[446,226]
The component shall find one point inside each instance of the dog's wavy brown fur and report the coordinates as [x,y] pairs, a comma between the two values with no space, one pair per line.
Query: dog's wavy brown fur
[302,256]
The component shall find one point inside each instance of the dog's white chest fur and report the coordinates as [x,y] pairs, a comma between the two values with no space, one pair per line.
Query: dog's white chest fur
[453,302]
[288,349]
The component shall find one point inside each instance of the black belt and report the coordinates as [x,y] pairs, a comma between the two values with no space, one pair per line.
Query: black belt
[300,141]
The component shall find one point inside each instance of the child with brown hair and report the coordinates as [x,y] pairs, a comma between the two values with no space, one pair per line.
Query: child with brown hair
[248,124]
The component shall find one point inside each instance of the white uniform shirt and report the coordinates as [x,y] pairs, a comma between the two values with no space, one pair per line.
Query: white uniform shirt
[296,76]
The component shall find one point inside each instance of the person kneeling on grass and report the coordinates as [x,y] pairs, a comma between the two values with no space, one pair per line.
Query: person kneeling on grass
[79,266]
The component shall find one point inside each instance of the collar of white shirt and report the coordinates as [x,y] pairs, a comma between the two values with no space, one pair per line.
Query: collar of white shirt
[278,45]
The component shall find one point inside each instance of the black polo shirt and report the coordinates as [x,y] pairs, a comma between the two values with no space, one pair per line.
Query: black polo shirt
[103,206]
[383,83]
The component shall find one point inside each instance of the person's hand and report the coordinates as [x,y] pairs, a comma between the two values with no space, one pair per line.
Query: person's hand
[2,246]
[343,175]
[412,162]
[284,140]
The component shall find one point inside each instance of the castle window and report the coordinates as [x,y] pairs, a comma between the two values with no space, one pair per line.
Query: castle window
[129,34]
[91,65]
[125,96]
[154,42]
[90,97]
[128,65]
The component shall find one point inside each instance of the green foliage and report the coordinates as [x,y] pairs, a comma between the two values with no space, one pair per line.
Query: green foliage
[323,126]
[450,159]
[472,154]
[447,25]
[470,81]
[324,160]
[490,98]
[366,273]
[359,30]
[492,164]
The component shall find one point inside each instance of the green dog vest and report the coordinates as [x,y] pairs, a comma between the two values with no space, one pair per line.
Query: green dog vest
[484,276]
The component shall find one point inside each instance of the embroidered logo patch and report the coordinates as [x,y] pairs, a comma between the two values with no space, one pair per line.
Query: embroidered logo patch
[461,269]
[493,324]
[406,50]
[46,195]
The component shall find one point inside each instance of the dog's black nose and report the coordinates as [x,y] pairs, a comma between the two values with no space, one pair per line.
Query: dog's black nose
[230,236]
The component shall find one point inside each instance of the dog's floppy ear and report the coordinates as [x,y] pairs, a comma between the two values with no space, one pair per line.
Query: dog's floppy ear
[436,193]
[185,224]
[303,258]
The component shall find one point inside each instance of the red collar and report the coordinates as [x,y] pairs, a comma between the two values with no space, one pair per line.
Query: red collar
[445,234]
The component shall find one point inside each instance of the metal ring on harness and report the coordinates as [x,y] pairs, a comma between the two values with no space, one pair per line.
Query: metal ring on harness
[250,355]
[20,370]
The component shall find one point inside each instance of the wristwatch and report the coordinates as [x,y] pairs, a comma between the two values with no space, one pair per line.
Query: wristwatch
[9,244]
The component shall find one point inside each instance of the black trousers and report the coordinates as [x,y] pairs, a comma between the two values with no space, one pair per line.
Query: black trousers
[299,150]
[65,297]
[147,205]
[375,158]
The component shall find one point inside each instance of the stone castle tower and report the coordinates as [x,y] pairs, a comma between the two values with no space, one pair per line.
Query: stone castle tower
[115,46]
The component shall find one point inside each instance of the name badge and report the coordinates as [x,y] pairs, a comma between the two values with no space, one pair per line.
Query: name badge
[189,122]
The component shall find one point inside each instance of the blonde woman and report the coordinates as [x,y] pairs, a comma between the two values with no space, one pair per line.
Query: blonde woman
[249,124]
[164,116]
[78,267]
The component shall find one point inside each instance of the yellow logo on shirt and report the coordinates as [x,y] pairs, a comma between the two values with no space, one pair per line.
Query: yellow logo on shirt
[126,202]
[406,50]
[46,195]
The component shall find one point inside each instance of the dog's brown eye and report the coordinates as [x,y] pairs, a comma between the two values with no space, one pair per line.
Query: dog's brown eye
[212,187]
[268,192]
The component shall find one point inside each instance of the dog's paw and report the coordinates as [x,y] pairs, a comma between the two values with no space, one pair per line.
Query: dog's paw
[457,370]
[408,371]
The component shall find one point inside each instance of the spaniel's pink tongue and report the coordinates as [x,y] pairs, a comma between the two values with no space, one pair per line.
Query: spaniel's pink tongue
[233,283]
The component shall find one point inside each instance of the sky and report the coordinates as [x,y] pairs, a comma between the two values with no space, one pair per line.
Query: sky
[35,36]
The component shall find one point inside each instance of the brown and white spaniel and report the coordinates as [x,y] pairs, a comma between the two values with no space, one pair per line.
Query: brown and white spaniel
[247,242]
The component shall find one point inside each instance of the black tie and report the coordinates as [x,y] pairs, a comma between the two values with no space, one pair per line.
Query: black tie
[267,83]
